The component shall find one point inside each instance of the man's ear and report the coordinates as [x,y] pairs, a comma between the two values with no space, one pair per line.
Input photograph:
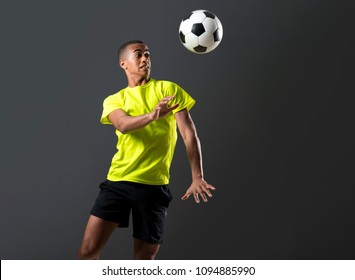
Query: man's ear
[122,64]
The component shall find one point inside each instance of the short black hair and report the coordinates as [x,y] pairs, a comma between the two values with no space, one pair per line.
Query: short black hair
[124,46]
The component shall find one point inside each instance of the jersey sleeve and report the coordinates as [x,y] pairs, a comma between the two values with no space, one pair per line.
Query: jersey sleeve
[182,98]
[110,104]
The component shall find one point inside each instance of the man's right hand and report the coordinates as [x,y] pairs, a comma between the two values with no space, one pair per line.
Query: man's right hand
[162,109]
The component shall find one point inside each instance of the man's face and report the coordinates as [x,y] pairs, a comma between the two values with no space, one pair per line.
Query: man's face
[136,60]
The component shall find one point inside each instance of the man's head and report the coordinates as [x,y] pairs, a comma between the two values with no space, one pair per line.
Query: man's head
[123,47]
[134,58]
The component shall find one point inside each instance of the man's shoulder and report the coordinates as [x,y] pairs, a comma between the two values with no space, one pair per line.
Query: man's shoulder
[116,94]
[165,83]
[114,97]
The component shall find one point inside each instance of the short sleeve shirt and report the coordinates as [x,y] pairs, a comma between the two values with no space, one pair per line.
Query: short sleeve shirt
[145,155]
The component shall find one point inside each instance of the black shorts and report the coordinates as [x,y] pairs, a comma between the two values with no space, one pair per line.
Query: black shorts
[148,204]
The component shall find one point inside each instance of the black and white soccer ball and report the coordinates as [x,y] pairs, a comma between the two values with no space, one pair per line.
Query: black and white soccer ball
[201,32]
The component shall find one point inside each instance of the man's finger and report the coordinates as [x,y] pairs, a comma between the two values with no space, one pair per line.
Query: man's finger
[208,193]
[210,187]
[173,107]
[197,199]
[204,198]
[186,196]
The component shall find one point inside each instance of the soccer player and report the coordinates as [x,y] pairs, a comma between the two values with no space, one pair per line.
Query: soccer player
[145,115]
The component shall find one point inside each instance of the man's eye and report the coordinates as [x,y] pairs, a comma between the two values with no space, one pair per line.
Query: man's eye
[138,55]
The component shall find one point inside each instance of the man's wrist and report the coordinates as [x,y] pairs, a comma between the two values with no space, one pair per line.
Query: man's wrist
[197,177]
[150,117]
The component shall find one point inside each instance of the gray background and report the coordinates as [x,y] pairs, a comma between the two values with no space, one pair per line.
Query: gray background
[274,113]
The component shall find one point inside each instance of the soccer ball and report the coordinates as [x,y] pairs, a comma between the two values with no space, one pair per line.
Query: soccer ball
[201,32]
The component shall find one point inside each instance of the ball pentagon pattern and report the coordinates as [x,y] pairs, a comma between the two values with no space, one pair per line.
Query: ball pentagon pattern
[201,31]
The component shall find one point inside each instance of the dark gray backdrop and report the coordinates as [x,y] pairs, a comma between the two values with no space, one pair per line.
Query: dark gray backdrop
[274,113]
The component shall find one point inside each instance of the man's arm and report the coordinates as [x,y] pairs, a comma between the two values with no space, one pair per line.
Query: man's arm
[125,123]
[199,187]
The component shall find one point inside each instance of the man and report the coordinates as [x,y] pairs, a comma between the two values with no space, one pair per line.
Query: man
[145,115]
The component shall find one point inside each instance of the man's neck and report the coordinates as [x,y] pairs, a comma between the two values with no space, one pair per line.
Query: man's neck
[134,81]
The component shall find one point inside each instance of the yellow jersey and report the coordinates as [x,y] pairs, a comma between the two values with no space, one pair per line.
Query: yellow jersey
[145,155]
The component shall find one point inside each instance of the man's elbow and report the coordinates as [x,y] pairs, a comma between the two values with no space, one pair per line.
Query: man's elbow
[123,131]
[121,128]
